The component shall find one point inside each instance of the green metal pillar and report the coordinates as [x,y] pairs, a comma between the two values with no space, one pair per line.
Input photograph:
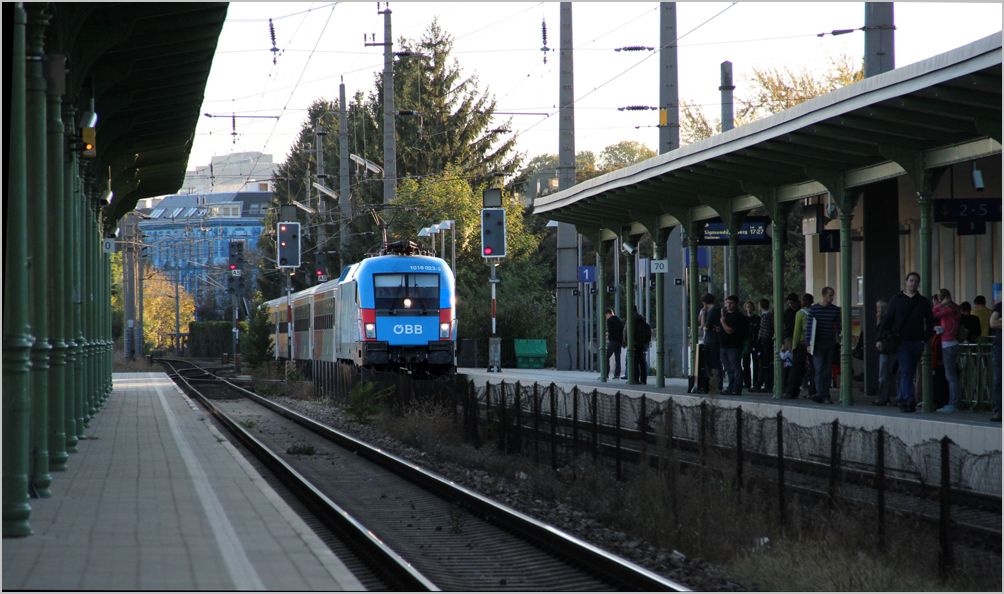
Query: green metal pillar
[660,314]
[779,222]
[734,256]
[629,316]
[692,291]
[601,306]
[80,372]
[38,21]
[106,306]
[90,311]
[17,337]
[925,203]
[55,78]
[847,203]
[87,377]
[68,228]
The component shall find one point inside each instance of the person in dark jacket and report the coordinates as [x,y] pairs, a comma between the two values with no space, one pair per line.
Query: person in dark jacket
[791,306]
[711,354]
[642,337]
[615,331]
[910,320]
[765,342]
[970,322]
[734,328]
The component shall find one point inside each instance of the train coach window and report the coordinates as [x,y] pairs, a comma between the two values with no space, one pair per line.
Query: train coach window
[406,291]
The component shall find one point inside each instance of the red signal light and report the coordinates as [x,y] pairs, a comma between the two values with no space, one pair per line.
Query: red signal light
[318,272]
[233,267]
[488,251]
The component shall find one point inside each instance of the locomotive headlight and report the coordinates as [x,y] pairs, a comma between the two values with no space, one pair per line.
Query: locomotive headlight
[370,330]
[444,330]
[407,302]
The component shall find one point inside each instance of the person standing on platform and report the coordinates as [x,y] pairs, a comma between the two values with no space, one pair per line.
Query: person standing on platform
[995,341]
[791,307]
[980,311]
[712,343]
[800,358]
[642,338]
[886,387]
[615,330]
[906,326]
[751,349]
[947,316]
[824,318]
[734,327]
[765,341]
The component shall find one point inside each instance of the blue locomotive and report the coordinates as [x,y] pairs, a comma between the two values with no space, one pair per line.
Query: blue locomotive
[395,311]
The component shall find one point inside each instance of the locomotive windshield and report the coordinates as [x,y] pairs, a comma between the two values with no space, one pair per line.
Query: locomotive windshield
[406,291]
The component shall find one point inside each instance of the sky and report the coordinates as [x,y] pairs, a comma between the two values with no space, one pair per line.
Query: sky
[321,44]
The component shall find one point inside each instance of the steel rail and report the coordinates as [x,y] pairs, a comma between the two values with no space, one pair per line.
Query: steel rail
[574,550]
[400,574]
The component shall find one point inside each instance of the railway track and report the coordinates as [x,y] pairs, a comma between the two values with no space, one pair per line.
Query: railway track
[410,528]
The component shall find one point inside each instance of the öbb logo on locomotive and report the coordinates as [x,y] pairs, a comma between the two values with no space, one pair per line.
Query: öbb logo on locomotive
[407,329]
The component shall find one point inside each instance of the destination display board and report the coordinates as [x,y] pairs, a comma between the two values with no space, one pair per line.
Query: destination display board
[752,231]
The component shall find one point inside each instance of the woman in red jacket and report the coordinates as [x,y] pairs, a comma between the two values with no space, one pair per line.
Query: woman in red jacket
[947,315]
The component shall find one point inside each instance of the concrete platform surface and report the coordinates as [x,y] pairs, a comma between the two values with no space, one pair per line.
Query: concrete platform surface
[157,498]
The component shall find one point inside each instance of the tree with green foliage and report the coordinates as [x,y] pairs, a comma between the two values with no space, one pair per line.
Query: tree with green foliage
[452,118]
[256,341]
[450,128]
[622,154]
[524,296]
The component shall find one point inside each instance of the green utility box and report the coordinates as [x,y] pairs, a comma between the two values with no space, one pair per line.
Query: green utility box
[530,352]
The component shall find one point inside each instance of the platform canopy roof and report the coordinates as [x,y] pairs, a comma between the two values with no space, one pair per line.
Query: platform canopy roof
[943,110]
[145,65]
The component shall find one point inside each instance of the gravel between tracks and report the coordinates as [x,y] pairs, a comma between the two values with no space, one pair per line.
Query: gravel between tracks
[696,573]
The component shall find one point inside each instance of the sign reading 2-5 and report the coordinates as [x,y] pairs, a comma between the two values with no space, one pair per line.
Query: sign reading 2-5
[954,210]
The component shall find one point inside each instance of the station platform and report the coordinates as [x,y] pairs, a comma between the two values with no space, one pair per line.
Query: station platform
[156,498]
[972,431]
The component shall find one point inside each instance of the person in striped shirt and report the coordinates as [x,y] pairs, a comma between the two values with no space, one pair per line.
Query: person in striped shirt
[824,322]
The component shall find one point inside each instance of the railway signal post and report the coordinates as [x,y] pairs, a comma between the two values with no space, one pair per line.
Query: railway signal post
[493,248]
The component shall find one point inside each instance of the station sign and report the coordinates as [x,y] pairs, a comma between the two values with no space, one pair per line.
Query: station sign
[586,274]
[752,231]
[829,241]
[955,210]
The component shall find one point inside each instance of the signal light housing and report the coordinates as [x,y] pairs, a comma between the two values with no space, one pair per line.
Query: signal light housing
[287,244]
[493,233]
